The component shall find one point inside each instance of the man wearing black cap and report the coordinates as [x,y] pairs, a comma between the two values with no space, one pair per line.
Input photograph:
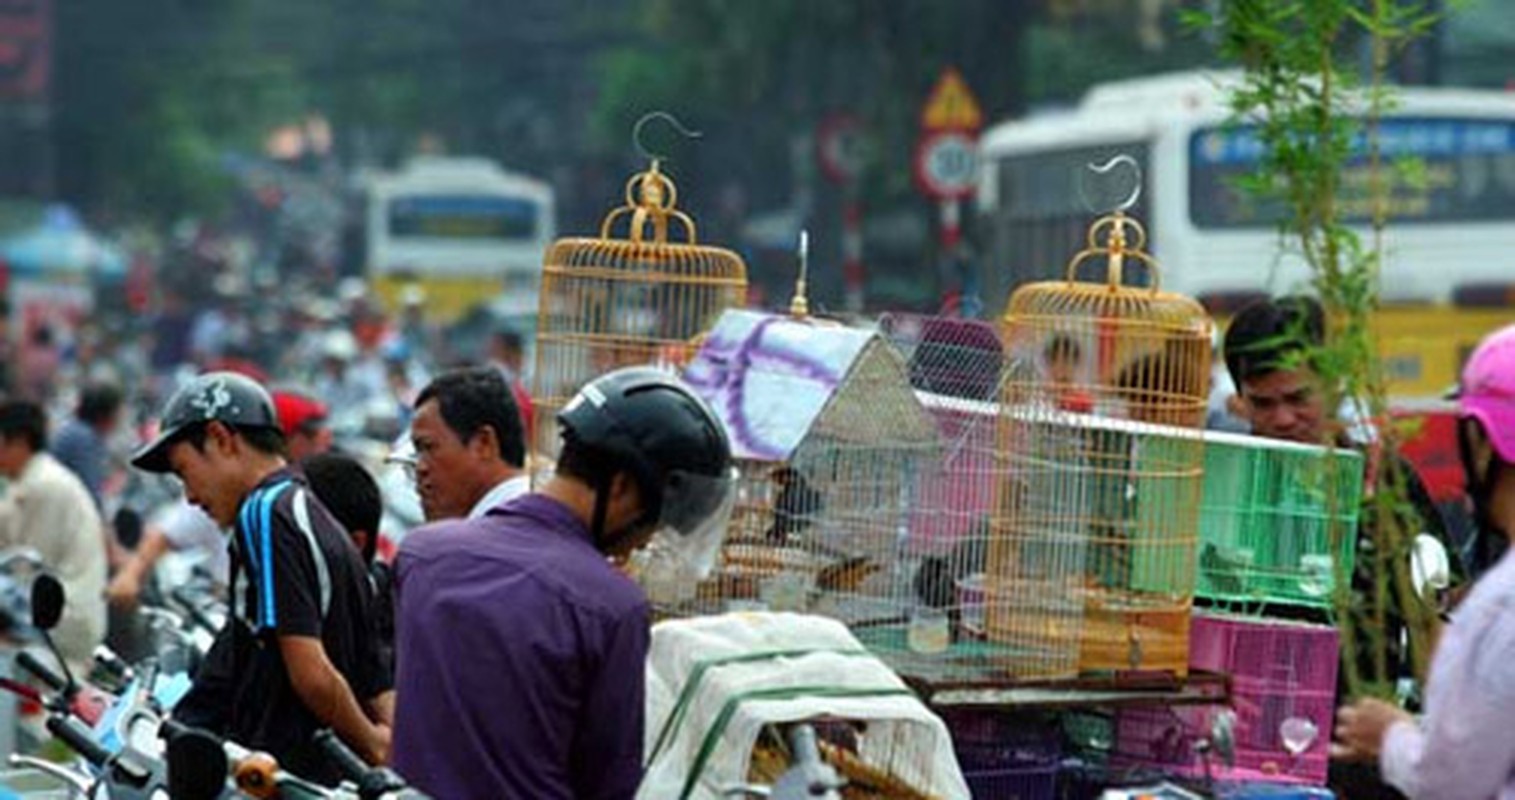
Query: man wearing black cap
[299,652]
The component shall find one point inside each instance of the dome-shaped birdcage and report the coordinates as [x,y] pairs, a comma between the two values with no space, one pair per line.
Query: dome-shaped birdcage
[612,302]
[1091,560]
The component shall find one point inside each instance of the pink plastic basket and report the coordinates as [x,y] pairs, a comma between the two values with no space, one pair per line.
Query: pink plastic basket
[1164,740]
[1276,653]
[1279,670]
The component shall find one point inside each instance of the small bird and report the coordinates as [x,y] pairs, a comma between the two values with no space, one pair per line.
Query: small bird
[1225,574]
[795,508]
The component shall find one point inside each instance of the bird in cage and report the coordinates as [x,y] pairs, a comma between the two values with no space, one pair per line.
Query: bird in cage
[1062,361]
[795,508]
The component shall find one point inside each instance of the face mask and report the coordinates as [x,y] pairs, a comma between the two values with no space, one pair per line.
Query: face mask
[695,514]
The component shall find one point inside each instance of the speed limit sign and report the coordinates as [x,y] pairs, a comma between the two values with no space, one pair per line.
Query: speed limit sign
[946,164]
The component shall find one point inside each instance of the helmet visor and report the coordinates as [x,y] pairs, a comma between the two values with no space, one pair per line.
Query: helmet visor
[696,511]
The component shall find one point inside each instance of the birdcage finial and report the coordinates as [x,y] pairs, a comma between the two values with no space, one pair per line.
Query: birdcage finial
[651,197]
[799,307]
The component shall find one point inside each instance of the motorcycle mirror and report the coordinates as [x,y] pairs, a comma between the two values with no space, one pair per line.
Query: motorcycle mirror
[196,767]
[1430,567]
[47,602]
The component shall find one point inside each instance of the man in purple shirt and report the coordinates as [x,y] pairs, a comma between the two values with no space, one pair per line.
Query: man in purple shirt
[521,649]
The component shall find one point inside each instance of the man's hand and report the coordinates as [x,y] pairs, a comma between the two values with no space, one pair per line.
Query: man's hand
[124,589]
[327,695]
[378,754]
[1361,728]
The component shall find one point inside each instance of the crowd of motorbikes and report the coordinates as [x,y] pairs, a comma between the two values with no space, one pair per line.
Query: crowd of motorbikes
[116,720]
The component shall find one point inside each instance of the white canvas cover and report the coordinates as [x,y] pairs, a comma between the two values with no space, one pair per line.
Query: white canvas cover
[714,682]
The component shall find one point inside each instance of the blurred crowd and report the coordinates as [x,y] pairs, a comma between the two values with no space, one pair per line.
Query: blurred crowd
[82,391]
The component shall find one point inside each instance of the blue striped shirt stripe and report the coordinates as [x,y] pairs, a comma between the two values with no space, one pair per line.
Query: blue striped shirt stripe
[266,532]
[245,522]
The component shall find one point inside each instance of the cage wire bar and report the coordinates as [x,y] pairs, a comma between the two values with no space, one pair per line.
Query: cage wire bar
[828,438]
[1278,522]
[611,302]
[958,369]
[1090,564]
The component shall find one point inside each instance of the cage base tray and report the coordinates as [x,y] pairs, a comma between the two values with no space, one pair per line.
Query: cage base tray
[1110,690]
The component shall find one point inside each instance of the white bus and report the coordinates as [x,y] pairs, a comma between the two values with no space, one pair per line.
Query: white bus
[1449,271]
[463,230]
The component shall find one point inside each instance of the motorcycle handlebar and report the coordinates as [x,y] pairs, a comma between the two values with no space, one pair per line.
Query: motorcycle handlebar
[372,782]
[44,673]
[193,609]
[346,761]
[76,736]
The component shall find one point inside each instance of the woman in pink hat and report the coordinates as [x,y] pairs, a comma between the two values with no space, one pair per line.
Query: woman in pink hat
[1463,747]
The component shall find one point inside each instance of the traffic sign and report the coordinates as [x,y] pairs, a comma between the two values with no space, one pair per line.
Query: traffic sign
[952,106]
[946,164]
[839,143]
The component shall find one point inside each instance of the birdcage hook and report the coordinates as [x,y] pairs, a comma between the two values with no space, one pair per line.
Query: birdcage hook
[636,133]
[1122,160]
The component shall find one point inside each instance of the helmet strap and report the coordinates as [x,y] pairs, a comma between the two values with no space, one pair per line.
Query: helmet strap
[606,543]
[601,506]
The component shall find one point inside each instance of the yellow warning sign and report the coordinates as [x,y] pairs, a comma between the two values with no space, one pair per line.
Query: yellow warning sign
[952,106]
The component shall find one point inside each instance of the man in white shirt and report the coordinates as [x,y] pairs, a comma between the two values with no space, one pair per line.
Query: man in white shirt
[47,508]
[470,448]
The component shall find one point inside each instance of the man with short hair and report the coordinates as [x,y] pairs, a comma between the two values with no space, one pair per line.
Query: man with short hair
[470,448]
[298,652]
[1269,351]
[522,650]
[352,495]
[81,443]
[47,508]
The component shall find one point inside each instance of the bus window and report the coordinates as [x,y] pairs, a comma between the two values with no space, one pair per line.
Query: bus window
[1456,170]
[463,217]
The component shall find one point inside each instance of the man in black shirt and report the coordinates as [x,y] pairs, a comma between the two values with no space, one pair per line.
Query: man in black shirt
[299,652]
[346,488]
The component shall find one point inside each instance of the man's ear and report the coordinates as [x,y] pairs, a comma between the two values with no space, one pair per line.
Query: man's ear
[624,488]
[485,443]
[1239,407]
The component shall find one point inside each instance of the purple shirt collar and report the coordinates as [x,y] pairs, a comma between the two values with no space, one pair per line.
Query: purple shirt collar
[547,512]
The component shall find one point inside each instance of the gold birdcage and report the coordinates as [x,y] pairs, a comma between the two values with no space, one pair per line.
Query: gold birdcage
[612,302]
[1090,561]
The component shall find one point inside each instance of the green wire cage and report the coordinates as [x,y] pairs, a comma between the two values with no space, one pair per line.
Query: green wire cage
[1278,522]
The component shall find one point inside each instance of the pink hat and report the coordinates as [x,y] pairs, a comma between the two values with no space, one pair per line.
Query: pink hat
[1487,391]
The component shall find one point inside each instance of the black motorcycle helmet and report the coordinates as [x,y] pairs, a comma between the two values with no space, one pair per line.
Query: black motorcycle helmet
[651,425]
[227,397]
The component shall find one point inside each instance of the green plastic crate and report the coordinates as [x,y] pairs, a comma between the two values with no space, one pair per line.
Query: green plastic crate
[1278,521]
